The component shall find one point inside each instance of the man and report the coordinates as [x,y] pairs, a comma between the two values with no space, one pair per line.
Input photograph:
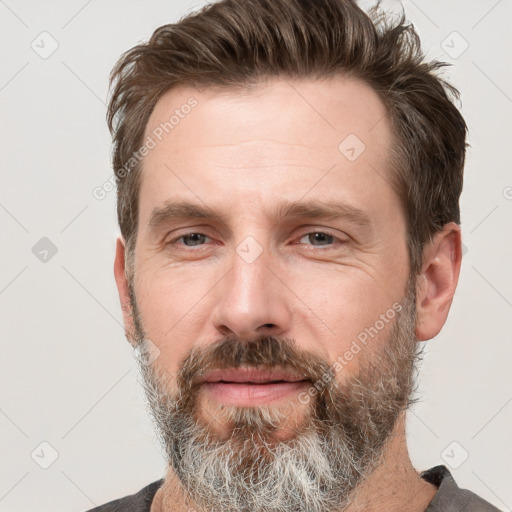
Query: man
[288,178]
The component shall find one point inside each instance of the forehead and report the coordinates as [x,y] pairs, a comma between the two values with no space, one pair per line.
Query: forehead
[304,111]
[282,136]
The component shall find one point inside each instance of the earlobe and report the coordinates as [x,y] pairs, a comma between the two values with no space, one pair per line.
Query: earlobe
[122,288]
[438,280]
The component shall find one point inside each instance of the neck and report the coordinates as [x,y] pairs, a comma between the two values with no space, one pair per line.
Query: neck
[393,486]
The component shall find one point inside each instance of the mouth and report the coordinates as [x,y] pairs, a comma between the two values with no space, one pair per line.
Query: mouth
[252,386]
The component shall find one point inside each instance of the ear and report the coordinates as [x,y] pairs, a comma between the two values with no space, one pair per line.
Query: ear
[122,288]
[438,280]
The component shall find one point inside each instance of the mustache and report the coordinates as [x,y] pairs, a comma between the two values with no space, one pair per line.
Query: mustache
[262,352]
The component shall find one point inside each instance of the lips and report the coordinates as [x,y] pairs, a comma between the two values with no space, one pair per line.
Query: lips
[251,387]
[251,376]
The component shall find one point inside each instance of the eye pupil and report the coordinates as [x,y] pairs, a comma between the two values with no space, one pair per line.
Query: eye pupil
[195,237]
[320,237]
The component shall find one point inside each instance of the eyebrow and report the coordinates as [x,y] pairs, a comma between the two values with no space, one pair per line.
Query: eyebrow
[327,210]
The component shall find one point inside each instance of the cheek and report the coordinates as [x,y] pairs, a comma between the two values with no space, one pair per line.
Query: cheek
[352,314]
[169,303]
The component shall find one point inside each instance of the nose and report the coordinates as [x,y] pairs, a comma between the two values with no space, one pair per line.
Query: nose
[252,300]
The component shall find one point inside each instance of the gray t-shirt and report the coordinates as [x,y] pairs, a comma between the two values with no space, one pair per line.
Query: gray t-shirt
[449,497]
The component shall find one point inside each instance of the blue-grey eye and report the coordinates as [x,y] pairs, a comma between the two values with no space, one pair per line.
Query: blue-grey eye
[195,238]
[320,237]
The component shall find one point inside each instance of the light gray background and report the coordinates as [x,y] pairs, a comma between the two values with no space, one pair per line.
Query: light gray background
[67,374]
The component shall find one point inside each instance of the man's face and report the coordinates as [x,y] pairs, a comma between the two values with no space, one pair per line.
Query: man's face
[259,285]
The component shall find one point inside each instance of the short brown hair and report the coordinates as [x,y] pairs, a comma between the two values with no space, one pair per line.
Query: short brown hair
[240,43]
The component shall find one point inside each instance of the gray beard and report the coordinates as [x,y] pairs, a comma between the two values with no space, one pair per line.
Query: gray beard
[338,443]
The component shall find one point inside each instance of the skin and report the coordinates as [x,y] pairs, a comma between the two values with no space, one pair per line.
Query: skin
[240,154]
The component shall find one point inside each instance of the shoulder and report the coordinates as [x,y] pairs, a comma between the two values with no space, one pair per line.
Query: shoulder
[450,497]
[138,502]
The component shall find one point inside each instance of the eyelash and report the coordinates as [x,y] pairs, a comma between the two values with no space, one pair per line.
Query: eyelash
[326,247]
